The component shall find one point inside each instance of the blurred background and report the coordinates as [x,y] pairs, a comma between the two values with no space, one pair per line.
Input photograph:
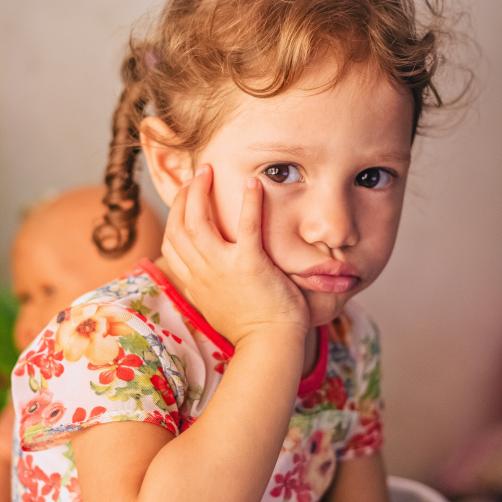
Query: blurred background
[439,301]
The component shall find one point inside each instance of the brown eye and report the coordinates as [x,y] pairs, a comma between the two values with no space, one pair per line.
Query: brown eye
[280,172]
[48,290]
[23,298]
[372,177]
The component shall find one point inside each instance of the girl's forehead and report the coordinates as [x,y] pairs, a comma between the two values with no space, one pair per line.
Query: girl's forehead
[361,108]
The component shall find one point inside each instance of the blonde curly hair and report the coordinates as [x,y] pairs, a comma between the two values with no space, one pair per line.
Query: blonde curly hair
[187,66]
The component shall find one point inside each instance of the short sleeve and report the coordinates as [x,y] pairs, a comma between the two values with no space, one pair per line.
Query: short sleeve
[93,363]
[366,434]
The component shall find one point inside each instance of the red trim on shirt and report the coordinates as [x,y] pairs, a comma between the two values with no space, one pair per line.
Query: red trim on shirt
[308,383]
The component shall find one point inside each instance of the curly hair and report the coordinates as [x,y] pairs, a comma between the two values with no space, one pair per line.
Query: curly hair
[198,51]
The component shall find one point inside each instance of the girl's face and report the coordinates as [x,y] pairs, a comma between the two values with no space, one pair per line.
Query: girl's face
[333,166]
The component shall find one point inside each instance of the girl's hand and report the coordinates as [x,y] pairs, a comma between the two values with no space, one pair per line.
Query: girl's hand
[235,286]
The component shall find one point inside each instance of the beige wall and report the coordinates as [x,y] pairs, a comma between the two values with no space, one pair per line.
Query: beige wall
[439,301]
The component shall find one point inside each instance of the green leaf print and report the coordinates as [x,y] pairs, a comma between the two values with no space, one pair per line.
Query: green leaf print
[143,382]
[373,386]
[152,291]
[194,393]
[302,422]
[68,453]
[134,344]
[156,318]
[34,385]
[157,399]
[130,391]
[140,307]
[100,389]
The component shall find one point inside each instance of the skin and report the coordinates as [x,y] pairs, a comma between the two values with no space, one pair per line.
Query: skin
[68,270]
[326,214]
[321,210]
[324,210]
[56,234]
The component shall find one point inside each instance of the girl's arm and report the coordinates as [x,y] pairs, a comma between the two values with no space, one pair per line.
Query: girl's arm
[228,454]
[6,425]
[362,478]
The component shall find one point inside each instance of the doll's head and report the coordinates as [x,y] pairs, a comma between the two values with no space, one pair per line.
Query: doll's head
[319,99]
[54,259]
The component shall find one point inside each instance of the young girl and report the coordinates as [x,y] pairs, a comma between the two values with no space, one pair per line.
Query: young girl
[235,368]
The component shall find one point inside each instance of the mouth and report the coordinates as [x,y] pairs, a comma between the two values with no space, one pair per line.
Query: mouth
[331,276]
[326,283]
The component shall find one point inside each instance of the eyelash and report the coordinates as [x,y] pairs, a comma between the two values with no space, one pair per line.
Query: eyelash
[392,174]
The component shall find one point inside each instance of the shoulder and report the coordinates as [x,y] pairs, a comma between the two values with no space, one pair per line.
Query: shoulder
[103,358]
[355,351]
[356,330]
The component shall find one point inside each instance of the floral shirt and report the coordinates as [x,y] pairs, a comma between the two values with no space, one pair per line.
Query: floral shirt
[135,349]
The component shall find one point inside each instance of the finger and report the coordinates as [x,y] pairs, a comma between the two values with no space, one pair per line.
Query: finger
[249,229]
[202,230]
[175,263]
[178,237]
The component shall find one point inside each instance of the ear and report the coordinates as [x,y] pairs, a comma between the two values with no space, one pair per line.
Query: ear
[169,167]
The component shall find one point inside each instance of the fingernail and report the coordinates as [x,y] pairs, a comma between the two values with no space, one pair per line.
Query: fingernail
[201,170]
[251,182]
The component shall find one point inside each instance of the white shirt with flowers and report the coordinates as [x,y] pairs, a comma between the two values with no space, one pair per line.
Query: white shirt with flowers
[135,349]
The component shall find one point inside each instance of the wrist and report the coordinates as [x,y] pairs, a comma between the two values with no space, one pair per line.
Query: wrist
[278,342]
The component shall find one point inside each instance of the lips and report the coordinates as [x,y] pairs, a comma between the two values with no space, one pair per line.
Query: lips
[331,267]
[329,277]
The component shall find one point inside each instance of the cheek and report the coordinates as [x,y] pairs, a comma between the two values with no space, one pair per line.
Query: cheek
[280,219]
[379,236]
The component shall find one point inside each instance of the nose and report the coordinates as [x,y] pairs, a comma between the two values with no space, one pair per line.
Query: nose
[331,220]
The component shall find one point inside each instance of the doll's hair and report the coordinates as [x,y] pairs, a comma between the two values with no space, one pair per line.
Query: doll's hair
[187,67]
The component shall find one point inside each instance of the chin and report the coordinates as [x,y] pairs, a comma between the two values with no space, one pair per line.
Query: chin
[324,307]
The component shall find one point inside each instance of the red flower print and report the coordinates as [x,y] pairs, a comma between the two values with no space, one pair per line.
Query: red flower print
[313,399]
[221,366]
[80,414]
[332,391]
[167,334]
[44,357]
[119,368]
[160,383]
[336,393]
[292,482]
[40,411]
[48,360]
[166,420]
[137,314]
[30,476]
[187,422]
[74,488]
[286,483]
[53,483]
[371,436]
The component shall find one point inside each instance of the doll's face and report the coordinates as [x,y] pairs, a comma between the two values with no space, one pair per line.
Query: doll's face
[42,283]
[54,259]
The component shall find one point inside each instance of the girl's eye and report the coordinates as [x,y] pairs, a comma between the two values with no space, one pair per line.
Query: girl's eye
[372,177]
[280,172]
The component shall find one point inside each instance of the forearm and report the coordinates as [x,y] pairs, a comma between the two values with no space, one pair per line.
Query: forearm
[6,426]
[229,453]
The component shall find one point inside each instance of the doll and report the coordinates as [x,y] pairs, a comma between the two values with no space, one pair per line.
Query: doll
[53,261]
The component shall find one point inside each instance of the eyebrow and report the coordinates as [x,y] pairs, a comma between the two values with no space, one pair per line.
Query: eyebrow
[304,151]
